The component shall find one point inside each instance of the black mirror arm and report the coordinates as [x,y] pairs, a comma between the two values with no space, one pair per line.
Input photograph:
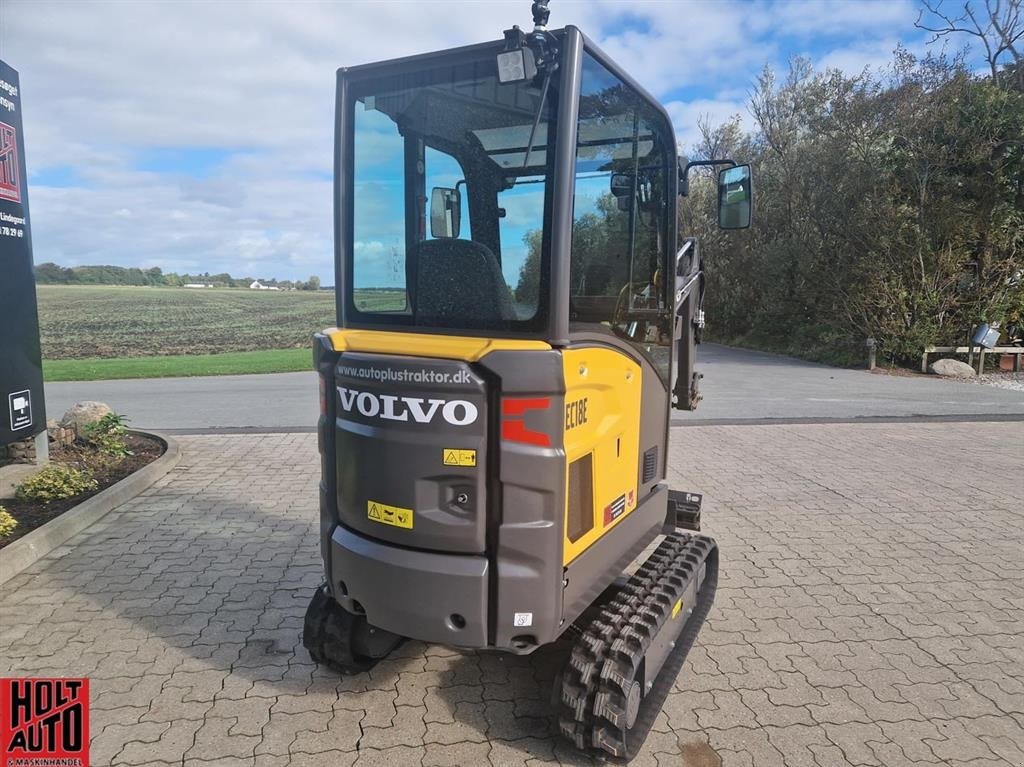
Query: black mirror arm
[684,171]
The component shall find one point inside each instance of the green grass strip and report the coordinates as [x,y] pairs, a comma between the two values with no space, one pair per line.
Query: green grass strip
[230,363]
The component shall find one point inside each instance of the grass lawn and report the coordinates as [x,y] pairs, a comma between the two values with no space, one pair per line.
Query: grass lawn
[270,361]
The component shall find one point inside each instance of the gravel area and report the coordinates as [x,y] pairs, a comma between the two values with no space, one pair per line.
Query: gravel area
[1011,381]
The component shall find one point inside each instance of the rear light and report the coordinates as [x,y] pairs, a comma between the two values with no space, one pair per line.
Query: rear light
[513,420]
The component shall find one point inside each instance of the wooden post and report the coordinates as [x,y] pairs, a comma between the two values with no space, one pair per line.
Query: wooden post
[981,360]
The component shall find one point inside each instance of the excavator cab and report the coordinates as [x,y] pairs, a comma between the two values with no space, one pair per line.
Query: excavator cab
[517,314]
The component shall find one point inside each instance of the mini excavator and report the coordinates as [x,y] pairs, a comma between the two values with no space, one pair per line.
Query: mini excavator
[517,318]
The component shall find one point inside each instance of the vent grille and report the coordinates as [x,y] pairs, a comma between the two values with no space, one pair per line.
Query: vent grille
[581,496]
[650,464]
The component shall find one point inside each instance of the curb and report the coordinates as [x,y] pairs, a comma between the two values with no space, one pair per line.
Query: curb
[29,549]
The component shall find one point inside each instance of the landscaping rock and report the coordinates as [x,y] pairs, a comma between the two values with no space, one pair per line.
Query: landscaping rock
[13,475]
[83,414]
[952,369]
[60,435]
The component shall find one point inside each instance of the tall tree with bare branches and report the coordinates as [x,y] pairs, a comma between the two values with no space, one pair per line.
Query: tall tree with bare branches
[997,24]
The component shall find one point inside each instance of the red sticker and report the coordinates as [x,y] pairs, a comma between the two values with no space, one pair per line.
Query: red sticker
[513,420]
[44,722]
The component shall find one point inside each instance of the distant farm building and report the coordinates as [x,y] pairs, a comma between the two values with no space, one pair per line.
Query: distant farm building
[257,285]
[198,285]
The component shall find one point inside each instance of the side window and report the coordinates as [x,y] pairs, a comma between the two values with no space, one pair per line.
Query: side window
[443,170]
[616,277]
[521,211]
[378,235]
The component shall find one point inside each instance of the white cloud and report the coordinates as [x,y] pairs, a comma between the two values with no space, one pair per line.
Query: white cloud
[687,114]
[854,59]
[106,83]
[818,18]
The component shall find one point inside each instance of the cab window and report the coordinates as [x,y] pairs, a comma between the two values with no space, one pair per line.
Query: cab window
[450,178]
[620,216]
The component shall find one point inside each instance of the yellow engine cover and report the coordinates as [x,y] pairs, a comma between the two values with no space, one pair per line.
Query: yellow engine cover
[602,418]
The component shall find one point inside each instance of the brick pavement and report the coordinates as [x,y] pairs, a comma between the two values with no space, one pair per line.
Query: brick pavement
[870,613]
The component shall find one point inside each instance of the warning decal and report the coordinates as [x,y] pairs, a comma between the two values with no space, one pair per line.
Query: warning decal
[614,510]
[619,506]
[454,457]
[389,515]
[20,404]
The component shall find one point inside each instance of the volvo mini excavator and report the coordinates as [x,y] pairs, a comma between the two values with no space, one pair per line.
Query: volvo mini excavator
[517,315]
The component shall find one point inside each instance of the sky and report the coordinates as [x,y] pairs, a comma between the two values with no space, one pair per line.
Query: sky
[198,136]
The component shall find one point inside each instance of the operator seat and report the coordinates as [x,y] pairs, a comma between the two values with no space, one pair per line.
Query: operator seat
[453,282]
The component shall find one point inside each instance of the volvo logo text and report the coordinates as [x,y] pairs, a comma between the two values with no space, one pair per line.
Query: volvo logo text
[457,412]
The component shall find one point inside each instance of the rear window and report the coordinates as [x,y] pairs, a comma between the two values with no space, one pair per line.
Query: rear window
[449,199]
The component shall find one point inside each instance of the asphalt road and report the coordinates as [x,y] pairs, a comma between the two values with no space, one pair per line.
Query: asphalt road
[747,385]
[739,385]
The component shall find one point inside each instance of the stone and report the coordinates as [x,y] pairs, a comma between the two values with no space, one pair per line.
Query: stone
[23,451]
[952,369]
[60,435]
[81,414]
[12,475]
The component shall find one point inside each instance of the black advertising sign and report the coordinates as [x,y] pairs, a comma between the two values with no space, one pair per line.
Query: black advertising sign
[21,373]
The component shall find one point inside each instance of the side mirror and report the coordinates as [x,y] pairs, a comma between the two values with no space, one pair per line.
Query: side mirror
[735,197]
[445,212]
[622,189]
[622,185]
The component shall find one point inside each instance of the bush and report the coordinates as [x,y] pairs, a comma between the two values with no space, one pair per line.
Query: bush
[7,523]
[56,482]
[890,205]
[108,435]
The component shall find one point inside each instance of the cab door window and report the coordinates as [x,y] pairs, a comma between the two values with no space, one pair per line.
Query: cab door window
[617,281]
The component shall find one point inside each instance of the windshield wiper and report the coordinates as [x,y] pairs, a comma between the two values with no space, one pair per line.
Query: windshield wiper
[540,110]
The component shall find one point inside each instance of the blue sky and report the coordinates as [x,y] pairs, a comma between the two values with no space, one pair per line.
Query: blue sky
[198,136]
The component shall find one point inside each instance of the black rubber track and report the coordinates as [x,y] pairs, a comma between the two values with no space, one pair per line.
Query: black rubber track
[328,631]
[608,655]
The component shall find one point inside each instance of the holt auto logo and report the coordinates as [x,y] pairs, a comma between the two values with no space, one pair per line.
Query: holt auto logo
[44,723]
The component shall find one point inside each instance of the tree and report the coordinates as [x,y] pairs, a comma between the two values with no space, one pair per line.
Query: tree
[51,274]
[888,205]
[998,26]
[600,253]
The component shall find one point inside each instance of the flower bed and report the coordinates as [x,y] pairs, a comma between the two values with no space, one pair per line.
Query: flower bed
[107,470]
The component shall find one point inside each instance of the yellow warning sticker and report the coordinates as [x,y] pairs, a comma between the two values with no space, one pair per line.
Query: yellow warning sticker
[676,608]
[389,515]
[453,457]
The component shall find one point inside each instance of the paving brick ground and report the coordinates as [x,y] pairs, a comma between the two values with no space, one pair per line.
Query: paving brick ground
[871,612]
